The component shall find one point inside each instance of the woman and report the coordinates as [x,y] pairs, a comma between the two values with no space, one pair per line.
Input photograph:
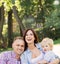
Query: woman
[33,48]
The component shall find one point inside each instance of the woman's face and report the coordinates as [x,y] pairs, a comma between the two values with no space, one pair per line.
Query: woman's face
[29,37]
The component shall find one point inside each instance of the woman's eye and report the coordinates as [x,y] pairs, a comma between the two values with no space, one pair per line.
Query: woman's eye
[26,34]
[31,34]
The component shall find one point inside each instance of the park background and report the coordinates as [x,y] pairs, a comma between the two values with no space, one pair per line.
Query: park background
[41,15]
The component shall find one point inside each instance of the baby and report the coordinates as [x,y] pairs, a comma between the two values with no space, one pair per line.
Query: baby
[47,46]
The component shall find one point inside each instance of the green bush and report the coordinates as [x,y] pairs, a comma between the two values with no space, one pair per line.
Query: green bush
[57,41]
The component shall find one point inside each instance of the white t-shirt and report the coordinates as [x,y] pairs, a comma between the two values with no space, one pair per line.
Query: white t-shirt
[35,60]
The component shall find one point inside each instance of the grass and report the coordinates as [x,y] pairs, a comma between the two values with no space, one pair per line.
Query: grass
[7,49]
[57,41]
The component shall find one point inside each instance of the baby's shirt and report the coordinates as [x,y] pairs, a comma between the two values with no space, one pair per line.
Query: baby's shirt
[49,56]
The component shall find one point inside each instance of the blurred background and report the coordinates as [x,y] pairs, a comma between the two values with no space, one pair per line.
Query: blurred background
[17,15]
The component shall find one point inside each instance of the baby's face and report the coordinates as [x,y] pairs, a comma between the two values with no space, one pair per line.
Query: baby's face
[46,47]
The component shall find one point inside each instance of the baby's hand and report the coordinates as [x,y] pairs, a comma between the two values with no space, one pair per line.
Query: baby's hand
[41,62]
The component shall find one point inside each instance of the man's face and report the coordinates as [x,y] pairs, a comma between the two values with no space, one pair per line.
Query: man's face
[18,46]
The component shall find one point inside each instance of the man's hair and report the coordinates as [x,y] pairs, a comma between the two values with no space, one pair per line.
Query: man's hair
[18,37]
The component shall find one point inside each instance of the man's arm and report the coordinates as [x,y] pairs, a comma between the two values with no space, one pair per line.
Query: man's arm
[2,58]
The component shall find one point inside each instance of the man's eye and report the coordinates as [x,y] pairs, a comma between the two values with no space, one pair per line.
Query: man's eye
[18,45]
[22,45]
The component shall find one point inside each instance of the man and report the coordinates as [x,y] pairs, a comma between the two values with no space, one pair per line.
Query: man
[13,57]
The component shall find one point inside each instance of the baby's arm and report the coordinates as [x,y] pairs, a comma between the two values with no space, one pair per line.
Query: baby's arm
[55,61]
[48,57]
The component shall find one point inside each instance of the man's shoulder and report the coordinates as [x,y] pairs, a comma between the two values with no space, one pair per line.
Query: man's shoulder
[5,53]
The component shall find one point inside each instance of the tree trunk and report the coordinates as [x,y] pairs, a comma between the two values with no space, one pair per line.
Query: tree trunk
[1,26]
[0,14]
[42,12]
[1,19]
[42,15]
[22,28]
[10,31]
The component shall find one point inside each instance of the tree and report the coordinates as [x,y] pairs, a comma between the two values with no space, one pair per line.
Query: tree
[42,11]
[1,26]
[18,20]
[10,30]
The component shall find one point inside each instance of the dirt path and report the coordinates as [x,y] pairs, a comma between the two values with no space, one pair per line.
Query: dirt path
[56,49]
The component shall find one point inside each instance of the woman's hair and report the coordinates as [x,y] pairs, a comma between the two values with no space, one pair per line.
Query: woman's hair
[48,41]
[35,35]
[20,38]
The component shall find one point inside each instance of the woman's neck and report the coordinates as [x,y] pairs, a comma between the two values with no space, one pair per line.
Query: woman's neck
[31,46]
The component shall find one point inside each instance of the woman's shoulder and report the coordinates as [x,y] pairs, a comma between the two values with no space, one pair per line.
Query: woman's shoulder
[38,45]
[24,55]
[26,52]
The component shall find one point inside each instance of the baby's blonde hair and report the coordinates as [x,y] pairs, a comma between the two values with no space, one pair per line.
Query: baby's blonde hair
[48,41]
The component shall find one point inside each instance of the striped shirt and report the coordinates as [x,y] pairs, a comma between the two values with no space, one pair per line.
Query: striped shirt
[8,57]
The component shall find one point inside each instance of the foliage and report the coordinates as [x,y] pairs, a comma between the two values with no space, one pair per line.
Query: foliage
[5,30]
[52,23]
[57,41]
[7,4]
[7,49]
[0,3]
[29,22]
[42,11]
[53,20]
